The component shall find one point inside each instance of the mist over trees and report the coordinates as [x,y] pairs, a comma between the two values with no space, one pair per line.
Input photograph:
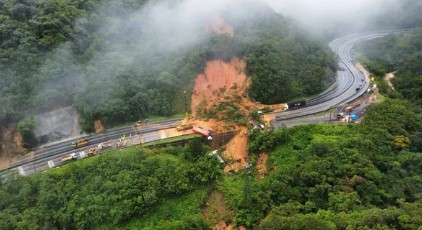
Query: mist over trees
[401,54]
[120,61]
[333,18]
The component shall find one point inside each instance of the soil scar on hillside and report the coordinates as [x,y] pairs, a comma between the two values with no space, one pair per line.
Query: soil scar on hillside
[226,82]
[218,83]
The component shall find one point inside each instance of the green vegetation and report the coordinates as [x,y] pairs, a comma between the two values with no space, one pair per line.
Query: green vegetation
[26,128]
[55,53]
[286,65]
[406,15]
[88,54]
[335,176]
[358,176]
[176,213]
[172,139]
[131,187]
[399,53]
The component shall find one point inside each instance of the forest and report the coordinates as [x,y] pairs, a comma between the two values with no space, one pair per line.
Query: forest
[111,190]
[56,53]
[398,53]
[111,63]
[322,176]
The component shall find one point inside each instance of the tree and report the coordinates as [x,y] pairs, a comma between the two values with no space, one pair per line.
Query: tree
[26,128]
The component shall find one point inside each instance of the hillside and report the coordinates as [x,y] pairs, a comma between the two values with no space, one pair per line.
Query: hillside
[113,62]
[319,176]
[400,54]
[116,62]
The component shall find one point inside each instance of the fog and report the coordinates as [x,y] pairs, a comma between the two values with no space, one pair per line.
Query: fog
[342,16]
[141,41]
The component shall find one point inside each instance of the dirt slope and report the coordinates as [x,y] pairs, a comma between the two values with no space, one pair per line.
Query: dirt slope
[388,78]
[218,26]
[11,146]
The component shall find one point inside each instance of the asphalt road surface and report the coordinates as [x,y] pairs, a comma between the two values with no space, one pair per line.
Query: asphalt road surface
[38,160]
[345,89]
[350,82]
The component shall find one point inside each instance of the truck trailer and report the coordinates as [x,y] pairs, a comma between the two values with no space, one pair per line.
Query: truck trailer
[79,143]
[68,157]
[183,127]
[202,131]
[295,105]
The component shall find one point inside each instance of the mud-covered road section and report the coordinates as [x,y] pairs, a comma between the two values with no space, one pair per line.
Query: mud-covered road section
[221,82]
[225,83]
[221,87]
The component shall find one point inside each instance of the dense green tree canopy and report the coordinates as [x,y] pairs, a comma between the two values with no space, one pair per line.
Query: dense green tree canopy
[112,60]
[110,189]
[401,54]
[335,176]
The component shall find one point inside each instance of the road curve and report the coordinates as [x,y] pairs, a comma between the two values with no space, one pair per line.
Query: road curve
[348,86]
[343,90]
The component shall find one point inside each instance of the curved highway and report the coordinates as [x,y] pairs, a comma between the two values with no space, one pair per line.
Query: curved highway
[350,84]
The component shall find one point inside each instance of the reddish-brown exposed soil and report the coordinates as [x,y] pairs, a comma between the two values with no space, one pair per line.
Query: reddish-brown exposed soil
[261,165]
[219,77]
[11,145]
[220,82]
[215,212]
[236,151]
[218,25]
[225,82]
[98,126]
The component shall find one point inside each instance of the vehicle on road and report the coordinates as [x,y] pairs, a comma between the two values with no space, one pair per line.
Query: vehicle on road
[138,124]
[80,143]
[105,145]
[202,131]
[120,144]
[183,127]
[340,116]
[92,151]
[295,105]
[68,157]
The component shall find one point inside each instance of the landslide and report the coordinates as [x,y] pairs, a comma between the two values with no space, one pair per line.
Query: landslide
[222,84]
[124,73]
[11,145]
[248,62]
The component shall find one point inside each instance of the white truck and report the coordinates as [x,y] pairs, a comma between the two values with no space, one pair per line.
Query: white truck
[105,145]
[69,157]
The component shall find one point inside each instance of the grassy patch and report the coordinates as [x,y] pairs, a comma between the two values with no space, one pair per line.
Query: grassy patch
[160,118]
[215,209]
[150,119]
[172,210]
[172,139]
[89,160]
[283,158]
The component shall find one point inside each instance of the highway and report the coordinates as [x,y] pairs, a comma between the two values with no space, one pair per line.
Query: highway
[350,82]
[349,85]
[38,160]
